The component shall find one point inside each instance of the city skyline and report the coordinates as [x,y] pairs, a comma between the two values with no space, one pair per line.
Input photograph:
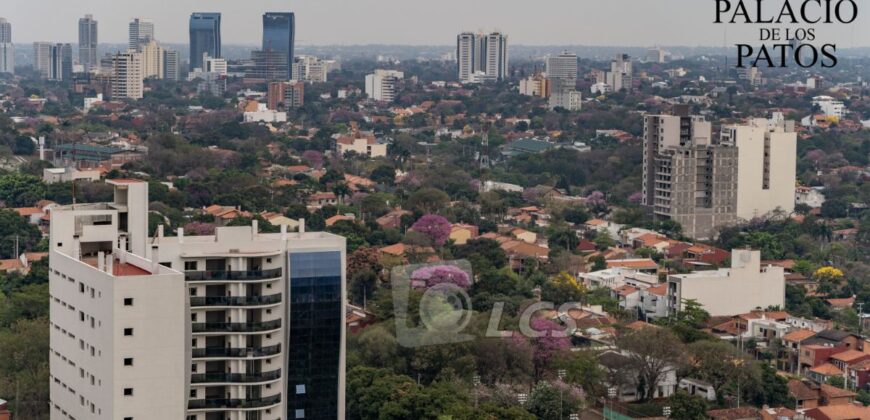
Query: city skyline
[651,23]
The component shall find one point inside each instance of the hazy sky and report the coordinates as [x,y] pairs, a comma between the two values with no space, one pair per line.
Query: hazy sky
[586,22]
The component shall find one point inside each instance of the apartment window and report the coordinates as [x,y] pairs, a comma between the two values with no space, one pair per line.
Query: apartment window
[128,361]
[128,301]
[190,266]
[128,392]
[128,331]
[193,291]
[128,418]
[300,413]
[300,389]
[193,317]
[81,287]
[192,393]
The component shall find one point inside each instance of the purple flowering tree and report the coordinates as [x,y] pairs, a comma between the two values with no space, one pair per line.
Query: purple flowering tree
[436,228]
[314,158]
[547,348]
[440,274]
[635,198]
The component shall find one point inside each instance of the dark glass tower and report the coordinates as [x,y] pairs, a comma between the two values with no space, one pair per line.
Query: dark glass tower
[205,37]
[279,35]
[314,342]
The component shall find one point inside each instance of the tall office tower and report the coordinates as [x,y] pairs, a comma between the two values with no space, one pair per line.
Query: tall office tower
[127,75]
[152,60]
[562,73]
[620,75]
[562,66]
[205,37]
[171,65]
[766,160]
[192,327]
[466,54]
[481,57]
[382,85]
[495,56]
[53,61]
[268,66]
[7,50]
[655,55]
[279,35]
[687,178]
[141,32]
[42,58]
[88,42]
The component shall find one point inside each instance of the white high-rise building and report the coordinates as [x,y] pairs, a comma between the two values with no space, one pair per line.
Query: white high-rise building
[214,65]
[312,69]
[141,31]
[42,58]
[830,107]
[127,76]
[171,65]
[481,57]
[766,166]
[383,85]
[152,60]
[192,327]
[88,43]
[562,66]
[620,75]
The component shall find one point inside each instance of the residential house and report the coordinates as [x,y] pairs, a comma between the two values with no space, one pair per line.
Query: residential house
[223,215]
[461,233]
[363,144]
[321,199]
[643,265]
[805,393]
[741,413]
[698,388]
[822,373]
[839,412]
[813,355]
[393,219]
[617,365]
[340,217]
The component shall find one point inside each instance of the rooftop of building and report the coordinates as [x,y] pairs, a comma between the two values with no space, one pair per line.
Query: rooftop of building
[119,269]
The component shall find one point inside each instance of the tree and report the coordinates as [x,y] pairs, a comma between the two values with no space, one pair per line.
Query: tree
[436,228]
[716,362]
[553,401]
[828,274]
[362,285]
[428,200]
[384,174]
[563,288]
[484,254]
[546,349]
[652,352]
[24,372]
[563,238]
[16,230]
[687,407]
[314,158]
[19,190]
[442,274]
[23,146]
[835,208]
[582,368]
[598,263]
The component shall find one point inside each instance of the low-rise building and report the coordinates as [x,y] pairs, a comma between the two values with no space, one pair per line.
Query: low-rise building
[743,287]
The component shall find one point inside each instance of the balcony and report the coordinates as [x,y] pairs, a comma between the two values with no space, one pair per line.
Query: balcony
[231,352]
[233,403]
[235,300]
[236,378]
[229,327]
[224,275]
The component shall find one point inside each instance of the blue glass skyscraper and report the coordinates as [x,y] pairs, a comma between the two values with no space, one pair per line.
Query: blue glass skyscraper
[279,35]
[205,37]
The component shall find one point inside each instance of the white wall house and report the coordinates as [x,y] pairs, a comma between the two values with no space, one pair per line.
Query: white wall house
[743,287]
